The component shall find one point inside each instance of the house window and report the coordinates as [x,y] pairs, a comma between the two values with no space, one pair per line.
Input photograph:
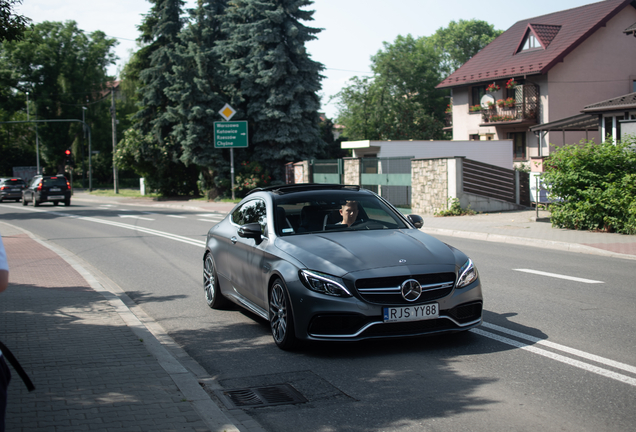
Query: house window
[474,137]
[634,86]
[608,127]
[530,43]
[518,145]
[477,93]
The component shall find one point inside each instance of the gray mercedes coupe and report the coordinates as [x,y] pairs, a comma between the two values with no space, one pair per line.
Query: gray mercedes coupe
[337,263]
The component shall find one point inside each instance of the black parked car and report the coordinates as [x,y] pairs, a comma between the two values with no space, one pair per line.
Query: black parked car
[11,189]
[55,189]
[337,263]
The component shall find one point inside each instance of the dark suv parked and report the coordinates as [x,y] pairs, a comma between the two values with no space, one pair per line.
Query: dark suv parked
[11,189]
[55,189]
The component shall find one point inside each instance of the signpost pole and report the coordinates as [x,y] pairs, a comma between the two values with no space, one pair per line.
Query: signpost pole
[230,135]
[232,170]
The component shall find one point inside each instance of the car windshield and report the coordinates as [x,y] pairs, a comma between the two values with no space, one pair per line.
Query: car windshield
[314,213]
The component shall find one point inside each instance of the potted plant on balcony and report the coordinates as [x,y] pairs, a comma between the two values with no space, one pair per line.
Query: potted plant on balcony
[475,108]
[492,88]
[511,83]
[510,102]
[449,109]
[501,103]
[491,105]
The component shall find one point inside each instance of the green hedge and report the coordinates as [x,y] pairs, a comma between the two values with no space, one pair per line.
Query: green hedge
[597,186]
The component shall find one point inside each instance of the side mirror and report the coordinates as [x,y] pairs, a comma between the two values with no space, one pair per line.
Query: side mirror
[416,220]
[251,230]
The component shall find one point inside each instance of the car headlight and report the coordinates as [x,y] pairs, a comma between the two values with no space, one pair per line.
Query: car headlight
[323,283]
[467,274]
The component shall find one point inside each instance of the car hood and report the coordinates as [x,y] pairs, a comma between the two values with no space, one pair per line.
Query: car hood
[343,252]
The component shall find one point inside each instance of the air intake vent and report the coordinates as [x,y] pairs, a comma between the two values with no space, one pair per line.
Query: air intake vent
[260,396]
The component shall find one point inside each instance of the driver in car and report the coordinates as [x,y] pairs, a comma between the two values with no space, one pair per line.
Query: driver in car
[349,213]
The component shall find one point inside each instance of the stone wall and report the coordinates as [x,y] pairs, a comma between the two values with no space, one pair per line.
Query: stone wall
[429,185]
[351,171]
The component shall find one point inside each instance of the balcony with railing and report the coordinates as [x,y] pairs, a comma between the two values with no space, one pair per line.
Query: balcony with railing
[522,107]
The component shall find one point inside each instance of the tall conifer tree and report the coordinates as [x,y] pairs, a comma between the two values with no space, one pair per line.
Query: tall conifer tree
[197,92]
[275,78]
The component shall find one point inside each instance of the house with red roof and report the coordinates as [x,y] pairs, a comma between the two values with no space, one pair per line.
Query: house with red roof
[532,83]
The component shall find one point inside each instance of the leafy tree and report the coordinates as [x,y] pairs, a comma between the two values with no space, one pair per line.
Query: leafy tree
[597,186]
[63,69]
[275,80]
[400,101]
[197,92]
[460,41]
[12,26]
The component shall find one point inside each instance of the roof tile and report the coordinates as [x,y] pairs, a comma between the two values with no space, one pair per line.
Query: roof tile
[563,31]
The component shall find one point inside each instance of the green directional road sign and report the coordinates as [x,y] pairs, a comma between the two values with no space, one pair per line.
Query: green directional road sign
[230,134]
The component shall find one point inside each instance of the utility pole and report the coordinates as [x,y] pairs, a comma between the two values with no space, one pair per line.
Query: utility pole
[113,115]
[89,152]
[37,142]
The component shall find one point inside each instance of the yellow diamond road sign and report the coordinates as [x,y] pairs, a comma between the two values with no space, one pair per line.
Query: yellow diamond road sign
[227,112]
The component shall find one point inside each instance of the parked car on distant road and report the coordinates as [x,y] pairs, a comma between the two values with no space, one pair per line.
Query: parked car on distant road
[55,189]
[337,263]
[11,189]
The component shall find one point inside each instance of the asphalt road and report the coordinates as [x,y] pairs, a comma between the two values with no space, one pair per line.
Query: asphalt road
[556,351]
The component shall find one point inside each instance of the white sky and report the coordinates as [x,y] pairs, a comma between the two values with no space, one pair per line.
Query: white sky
[353,30]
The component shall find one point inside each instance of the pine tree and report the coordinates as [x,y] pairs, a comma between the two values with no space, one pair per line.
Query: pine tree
[274,78]
[197,93]
[154,145]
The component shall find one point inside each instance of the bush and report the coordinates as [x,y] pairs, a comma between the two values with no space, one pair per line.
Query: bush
[455,209]
[596,185]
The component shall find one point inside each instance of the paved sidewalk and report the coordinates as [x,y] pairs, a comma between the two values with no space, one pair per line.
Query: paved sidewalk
[96,365]
[515,227]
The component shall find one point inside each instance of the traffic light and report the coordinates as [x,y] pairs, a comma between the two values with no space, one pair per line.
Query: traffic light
[68,154]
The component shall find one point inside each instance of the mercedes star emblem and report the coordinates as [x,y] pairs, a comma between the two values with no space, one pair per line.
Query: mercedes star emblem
[411,290]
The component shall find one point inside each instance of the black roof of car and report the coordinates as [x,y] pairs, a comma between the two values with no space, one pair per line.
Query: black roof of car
[303,187]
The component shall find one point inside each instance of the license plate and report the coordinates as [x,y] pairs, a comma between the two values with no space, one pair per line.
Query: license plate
[52,197]
[411,313]
[55,190]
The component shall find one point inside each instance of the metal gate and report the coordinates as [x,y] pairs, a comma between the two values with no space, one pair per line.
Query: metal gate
[388,177]
[327,170]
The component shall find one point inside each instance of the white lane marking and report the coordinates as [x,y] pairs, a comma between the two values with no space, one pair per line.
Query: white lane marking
[576,363]
[210,215]
[209,220]
[559,276]
[176,216]
[573,351]
[135,217]
[178,238]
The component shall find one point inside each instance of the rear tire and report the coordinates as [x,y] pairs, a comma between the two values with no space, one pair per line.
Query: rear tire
[281,319]
[67,202]
[213,296]
[35,201]
[24,201]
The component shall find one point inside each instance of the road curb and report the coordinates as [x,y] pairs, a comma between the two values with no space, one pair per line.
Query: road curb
[170,356]
[523,241]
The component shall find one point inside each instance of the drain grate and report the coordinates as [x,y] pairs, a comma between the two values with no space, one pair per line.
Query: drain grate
[260,396]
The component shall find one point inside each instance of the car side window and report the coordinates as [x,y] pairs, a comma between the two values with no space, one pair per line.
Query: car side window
[253,211]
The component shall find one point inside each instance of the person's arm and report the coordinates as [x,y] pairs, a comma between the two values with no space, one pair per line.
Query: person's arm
[4,268]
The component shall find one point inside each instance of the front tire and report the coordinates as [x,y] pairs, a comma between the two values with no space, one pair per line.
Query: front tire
[211,289]
[67,202]
[281,320]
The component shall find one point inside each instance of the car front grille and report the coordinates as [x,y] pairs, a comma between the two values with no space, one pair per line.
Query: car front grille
[387,290]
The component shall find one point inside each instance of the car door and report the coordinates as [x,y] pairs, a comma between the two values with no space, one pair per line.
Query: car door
[245,254]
